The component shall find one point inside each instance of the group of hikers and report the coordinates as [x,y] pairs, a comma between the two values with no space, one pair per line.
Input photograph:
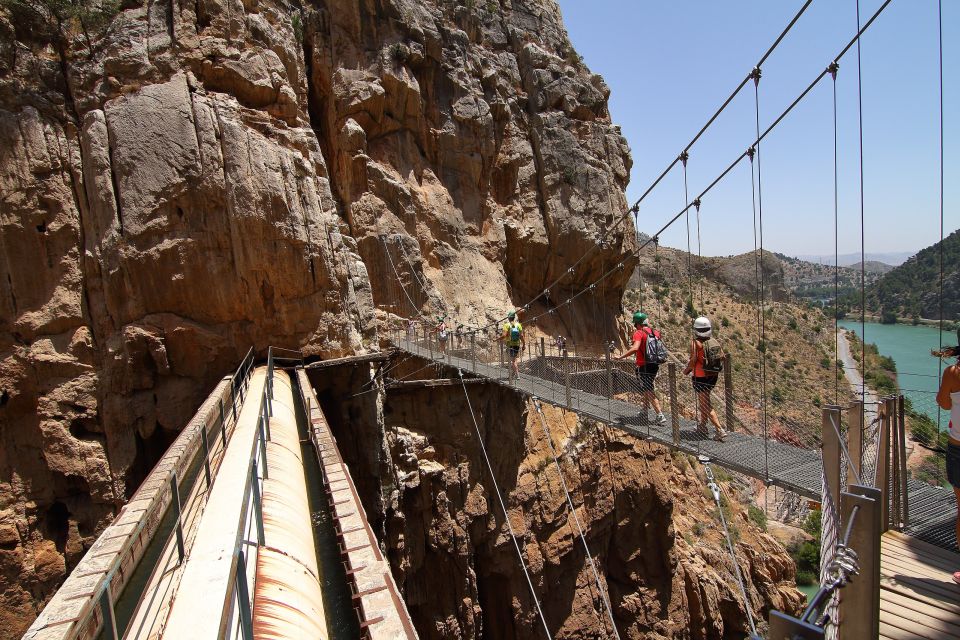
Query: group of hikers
[704,364]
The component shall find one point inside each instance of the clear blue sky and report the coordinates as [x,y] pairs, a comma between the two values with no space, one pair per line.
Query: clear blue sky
[669,65]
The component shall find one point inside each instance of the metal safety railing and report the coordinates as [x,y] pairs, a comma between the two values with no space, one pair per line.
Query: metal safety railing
[236,619]
[164,489]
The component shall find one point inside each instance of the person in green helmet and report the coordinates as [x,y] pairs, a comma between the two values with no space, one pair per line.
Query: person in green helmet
[651,353]
[512,334]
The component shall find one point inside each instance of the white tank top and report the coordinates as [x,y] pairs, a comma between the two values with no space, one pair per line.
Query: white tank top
[954,428]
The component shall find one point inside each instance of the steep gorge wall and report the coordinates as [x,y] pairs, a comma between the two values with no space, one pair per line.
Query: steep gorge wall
[199,177]
[650,525]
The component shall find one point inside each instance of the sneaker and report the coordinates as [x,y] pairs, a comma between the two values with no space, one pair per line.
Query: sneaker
[661,420]
[721,435]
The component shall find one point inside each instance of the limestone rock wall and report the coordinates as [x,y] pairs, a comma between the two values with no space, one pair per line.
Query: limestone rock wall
[185,179]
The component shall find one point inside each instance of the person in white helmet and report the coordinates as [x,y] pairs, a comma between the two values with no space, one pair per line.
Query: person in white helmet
[706,363]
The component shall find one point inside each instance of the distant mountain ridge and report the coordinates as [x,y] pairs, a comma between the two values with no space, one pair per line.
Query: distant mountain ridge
[850,259]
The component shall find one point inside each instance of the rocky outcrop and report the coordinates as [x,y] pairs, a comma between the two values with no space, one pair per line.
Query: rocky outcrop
[180,181]
[651,527]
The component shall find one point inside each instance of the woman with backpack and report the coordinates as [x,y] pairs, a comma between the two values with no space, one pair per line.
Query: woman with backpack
[442,332]
[948,397]
[651,353]
[706,363]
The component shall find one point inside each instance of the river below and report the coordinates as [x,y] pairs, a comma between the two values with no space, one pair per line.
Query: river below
[909,346]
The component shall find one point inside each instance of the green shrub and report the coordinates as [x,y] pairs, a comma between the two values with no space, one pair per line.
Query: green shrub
[806,578]
[757,516]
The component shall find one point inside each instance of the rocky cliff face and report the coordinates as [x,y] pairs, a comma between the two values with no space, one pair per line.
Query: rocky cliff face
[182,180]
[652,529]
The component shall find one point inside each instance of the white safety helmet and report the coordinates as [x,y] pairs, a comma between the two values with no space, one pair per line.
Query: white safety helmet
[702,328]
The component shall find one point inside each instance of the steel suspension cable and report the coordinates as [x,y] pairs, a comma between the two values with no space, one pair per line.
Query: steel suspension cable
[863,259]
[506,514]
[596,576]
[940,324]
[686,198]
[386,250]
[763,284]
[836,244]
[696,204]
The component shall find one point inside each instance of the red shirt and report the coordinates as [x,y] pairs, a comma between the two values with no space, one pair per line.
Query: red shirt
[640,335]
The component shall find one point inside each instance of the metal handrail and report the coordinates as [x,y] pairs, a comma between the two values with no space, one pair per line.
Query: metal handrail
[101,600]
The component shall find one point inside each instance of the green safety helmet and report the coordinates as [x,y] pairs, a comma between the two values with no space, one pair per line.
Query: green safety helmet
[511,315]
[639,317]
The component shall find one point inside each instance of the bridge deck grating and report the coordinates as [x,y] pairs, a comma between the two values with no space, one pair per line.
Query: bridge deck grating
[932,514]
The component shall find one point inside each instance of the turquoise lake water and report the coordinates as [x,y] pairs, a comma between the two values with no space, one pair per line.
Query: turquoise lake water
[917,370]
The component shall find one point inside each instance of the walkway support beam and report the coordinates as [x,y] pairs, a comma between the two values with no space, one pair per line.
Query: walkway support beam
[860,600]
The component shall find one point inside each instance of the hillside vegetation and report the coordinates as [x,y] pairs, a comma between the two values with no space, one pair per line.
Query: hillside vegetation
[912,290]
[799,347]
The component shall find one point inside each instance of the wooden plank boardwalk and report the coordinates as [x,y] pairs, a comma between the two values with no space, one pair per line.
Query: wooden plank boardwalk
[932,509]
[918,597]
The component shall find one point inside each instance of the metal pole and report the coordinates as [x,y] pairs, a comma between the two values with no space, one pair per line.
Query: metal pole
[728,390]
[223,426]
[609,383]
[902,443]
[257,505]
[855,435]
[473,350]
[895,464]
[266,420]
[860,600]
[243,598]
[206,453]
[674,404]
[831,451]
[543,347]
[566,378]
[263,448]
[107,612]
[883,466]
[176,506]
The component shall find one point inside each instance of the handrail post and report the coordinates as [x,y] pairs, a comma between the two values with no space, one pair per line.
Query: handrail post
[728,390]
[895,463]
[473,350]
[243,597]
[106,611]
[902,445]
[175,490]
[855,435]
[206,453]
[223,425]
[266,420]
[566,378]
[674,404]
[859,612]
[263,447]
[883,466]
[257,505]
[830,415]
[543,347]
[609,383]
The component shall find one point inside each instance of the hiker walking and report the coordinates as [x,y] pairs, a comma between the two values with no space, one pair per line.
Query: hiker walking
[561,344]
[706,363]
[458,332]
[948,397]
[651,353]
[512,334]
[442,332]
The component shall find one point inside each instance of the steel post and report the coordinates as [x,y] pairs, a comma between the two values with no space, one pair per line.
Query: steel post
[243,598]
[566,378]
[206,453]
[728,390]
[902,444]
[674,403]
[831,451]
[609,383]
[543,347]
[784,627]
[882,477]
[175,499]
[107,612]
[473,350]
[860,600]
[223,426]
[263,448]
[855,435]
[257,505]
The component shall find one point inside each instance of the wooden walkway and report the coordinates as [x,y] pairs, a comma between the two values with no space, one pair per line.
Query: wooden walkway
[932,509]
[918,597]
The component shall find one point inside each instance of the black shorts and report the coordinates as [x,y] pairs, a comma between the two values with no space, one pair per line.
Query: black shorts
[646,375]
[514,352]
[706,383]
[953,465]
